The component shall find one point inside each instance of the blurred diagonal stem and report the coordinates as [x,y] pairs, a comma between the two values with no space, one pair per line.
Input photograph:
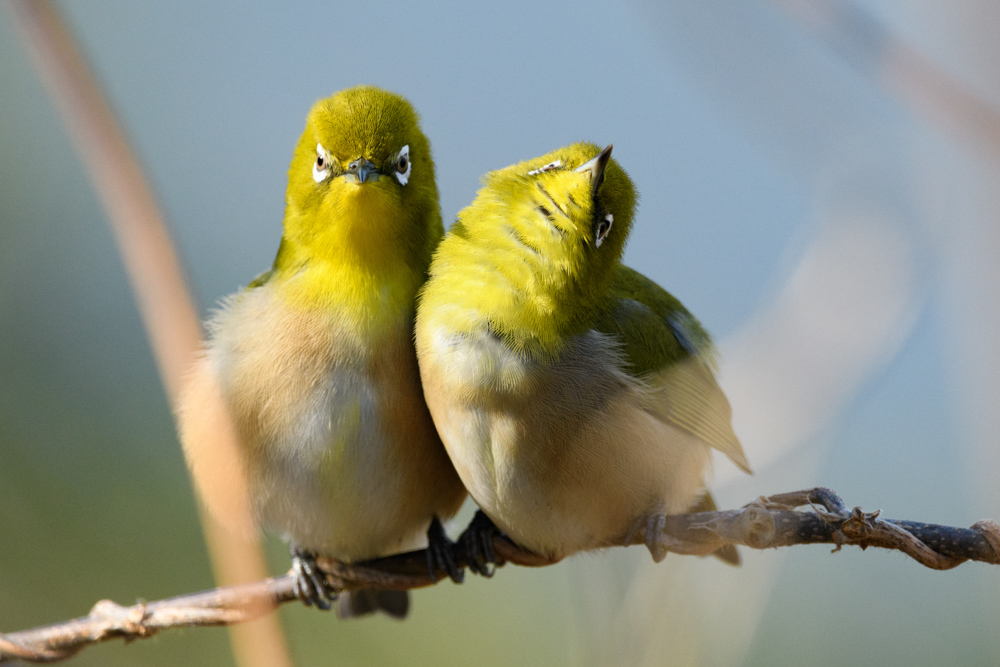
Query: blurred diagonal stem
[926,88]
[765,523]
[154,271]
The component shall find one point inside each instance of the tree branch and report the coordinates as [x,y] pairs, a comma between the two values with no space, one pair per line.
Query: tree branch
[767,522]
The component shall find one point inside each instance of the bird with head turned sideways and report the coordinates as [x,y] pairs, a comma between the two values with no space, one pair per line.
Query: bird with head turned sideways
[313,364]
[576,397]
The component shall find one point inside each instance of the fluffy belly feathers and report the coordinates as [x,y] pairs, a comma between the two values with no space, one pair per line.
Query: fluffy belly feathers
[561,459]
[337,445]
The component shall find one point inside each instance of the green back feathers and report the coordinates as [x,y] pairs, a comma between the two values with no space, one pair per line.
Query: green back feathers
[665,345]
[654,328]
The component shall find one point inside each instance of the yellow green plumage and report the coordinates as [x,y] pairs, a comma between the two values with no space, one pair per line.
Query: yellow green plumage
[576,397]
[314,362]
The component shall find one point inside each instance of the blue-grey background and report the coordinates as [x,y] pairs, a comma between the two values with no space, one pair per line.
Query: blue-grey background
[754,146]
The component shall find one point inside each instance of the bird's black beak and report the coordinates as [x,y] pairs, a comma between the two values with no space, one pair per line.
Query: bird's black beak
[596,167]
[362,171]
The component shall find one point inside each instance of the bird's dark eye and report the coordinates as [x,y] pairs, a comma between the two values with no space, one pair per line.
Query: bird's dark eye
[403,165]
[321,167]
[603,227]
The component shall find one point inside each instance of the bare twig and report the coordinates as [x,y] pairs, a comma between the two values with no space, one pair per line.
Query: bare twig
[774,522]
[765,523]
[107,620]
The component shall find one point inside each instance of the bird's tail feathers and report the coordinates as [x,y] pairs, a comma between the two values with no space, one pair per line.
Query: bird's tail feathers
[352,604]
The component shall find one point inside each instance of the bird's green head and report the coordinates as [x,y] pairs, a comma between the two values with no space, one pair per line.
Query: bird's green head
[361,182]
[573,207]
[550,231]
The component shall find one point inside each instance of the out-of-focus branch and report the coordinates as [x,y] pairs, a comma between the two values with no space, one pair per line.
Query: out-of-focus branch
[764,523]
[902,70]
[143,240]
[153,268]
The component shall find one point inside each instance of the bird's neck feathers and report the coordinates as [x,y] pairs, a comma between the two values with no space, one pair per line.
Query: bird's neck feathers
[519,284]
[362,252]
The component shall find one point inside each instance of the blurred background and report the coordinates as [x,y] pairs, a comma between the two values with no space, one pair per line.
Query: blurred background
[820,184]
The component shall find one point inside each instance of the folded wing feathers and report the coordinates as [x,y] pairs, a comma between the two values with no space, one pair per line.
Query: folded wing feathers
[687,396]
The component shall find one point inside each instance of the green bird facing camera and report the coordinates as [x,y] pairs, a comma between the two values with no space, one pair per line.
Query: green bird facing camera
[313,365]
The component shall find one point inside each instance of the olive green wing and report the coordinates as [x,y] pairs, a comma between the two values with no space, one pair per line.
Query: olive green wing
[261,279]
[666,346]
[281,260]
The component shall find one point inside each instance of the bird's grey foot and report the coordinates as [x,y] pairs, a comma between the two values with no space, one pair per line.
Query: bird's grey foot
[660,542]
[310,583]
[654,537]
[441,553]
[478,541]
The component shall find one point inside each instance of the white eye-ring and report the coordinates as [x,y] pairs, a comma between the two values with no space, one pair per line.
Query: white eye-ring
[548,167]
[403,165]
[603,229]
[321,167]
